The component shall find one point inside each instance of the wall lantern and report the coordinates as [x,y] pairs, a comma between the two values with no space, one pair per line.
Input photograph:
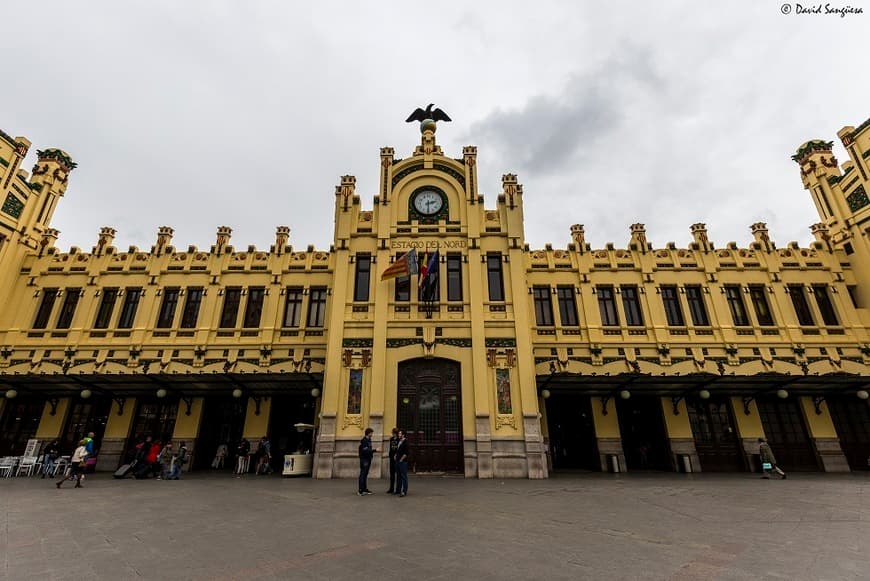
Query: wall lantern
[315,392]
[545,393]
[161,393]
[624,394]
[11,394]
[704,394]
[782,394]
[86,393]
[237,393]
[862,394]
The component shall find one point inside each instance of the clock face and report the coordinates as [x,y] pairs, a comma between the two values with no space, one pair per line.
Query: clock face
[428,202]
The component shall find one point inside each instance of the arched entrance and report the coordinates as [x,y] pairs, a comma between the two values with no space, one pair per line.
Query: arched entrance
[429,409]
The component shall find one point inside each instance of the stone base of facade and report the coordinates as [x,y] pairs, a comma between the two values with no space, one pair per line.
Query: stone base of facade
[680,448]
[831,455]
[111,454]
[750,453]
[607,448]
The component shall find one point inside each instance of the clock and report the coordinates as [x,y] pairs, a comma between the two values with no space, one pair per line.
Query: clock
[428,202]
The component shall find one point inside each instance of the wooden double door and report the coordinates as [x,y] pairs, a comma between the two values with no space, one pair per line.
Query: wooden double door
[787,434]
[716,441]
[430,411]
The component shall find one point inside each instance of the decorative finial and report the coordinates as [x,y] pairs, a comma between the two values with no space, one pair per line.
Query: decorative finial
[428,117]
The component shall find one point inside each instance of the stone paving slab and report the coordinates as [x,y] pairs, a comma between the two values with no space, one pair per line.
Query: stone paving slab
[584,526]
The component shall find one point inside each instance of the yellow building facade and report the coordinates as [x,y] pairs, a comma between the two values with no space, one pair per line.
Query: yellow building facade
[504,361]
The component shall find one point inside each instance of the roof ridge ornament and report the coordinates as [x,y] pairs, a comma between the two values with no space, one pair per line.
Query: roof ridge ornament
[428,117]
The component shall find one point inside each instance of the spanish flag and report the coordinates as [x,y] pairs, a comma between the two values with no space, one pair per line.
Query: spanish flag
[406,265]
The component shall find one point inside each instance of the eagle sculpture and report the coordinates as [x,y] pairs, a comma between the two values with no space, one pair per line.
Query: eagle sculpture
[421,115]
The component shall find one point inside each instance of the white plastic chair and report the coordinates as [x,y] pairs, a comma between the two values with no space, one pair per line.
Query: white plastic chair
[60,465]
[28,464]
[7,463]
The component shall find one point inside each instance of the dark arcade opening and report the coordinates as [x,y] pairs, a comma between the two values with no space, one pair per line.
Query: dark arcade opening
[571,432]
[644,439]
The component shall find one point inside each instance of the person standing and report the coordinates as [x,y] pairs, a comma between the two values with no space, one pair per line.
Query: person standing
[77,465]
[394,443]
[50,454]
[366,453]
[165,458]
[152,458]
[768,460]
[178,462]
[242,456]
[402,464]
[264,455]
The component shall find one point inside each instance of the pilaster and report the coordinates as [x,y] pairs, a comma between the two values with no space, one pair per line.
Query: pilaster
[607,434]
[824,435]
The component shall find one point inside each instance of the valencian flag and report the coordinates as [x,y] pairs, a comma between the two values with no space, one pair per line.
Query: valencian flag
[406,265]
[429,277]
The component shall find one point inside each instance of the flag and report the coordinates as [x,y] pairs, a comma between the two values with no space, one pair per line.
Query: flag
[429,273]
[405,265]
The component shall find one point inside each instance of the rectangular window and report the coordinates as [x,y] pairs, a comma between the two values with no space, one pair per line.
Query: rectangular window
[826,307]
[543,306]
[254,307]
[567,306]
[293,306]
[607,306]
[107,306]
[166,316]
[494,276]
[671,302]
[230,312]
[697,309]
[49,296]
[70,302]
[128,310]
[454,277]
[362,280]
[190,314]
[631,304]
[317,307]
[759,303]
[801,306]
[736,306]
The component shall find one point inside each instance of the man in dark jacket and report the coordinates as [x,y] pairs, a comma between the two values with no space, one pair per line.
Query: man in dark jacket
[366,452]
[394,443]
[402,464]
[768,460]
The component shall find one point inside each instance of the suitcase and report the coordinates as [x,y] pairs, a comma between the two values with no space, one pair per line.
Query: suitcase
[125,470]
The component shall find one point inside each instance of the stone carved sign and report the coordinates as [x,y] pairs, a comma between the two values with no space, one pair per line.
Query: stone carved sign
[427,244]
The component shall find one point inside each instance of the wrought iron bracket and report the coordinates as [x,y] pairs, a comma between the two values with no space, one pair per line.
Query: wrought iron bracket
[188,401]
[257,400]
[604,401]
[675,401]
[120,401]
[53,401]
[817,404]
[747,399]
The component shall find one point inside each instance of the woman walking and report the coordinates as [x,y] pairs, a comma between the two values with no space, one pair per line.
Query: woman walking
[77,466]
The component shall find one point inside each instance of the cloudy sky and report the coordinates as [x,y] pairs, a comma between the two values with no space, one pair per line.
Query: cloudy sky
[198,114]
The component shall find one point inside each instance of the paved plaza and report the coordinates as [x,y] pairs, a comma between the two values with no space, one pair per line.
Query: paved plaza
[583,526]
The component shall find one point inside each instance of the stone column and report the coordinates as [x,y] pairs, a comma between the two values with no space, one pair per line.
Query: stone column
[607,434]
[115,437]
[749,429]
[824,435]
[680,437]
[51,424]
[187,428]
